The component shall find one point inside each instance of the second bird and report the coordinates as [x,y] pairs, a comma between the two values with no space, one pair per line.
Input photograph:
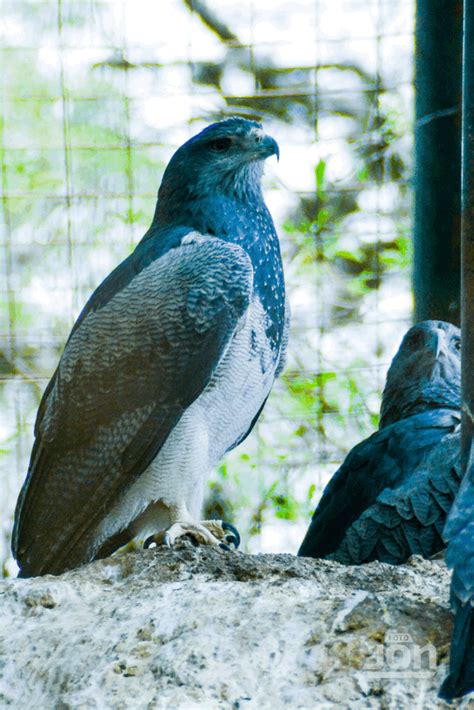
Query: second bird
[391,496]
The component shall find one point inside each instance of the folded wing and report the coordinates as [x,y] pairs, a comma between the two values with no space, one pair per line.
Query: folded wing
[407,520]
[386,460]
[144,348]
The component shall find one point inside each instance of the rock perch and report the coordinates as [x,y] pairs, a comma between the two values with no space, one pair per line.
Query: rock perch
[202,628]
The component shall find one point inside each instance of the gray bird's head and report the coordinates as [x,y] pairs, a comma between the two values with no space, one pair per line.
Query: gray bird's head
[425,373]
[225,158]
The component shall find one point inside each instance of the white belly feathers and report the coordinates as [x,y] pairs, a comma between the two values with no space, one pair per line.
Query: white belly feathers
[217,419]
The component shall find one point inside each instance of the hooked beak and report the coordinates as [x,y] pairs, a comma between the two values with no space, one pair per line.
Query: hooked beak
[270,146]
[438,342]
[262,146]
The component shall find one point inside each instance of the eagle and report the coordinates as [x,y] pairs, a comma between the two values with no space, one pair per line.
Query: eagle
[167,367]
[391,496]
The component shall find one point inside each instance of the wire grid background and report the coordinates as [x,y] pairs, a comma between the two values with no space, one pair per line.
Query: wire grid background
[95,98]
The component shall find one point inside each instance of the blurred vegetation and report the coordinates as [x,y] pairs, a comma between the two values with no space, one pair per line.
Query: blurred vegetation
[80,168]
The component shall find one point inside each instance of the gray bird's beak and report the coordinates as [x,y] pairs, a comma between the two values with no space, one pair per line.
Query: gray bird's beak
[438,342]
[269,147]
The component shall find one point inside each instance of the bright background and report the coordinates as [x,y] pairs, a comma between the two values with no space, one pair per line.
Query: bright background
[95,97]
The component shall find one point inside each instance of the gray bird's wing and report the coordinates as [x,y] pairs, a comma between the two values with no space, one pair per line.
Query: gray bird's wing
[384,460]
[407,520]
[144,348]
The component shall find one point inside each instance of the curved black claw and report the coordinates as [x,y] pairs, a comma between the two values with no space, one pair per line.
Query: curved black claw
[149,542]
[152,541]
[233,538]
[225,547]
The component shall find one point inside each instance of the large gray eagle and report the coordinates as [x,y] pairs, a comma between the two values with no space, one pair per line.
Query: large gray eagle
[391,496]
[166,369]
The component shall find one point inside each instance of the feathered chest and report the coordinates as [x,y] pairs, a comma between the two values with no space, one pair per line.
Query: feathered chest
[249,225]
[240,384]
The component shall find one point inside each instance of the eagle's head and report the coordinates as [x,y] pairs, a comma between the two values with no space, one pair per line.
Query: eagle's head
[425,373]
[225,158]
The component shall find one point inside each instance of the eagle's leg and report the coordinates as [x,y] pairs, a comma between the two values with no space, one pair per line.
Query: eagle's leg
[204,532]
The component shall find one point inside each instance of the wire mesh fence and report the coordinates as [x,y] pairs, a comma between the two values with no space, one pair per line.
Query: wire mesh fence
[96,96]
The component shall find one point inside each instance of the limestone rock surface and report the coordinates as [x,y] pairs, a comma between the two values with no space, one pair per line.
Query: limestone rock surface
[203,628]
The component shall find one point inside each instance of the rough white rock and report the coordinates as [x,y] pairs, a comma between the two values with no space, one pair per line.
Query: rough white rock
[202,628]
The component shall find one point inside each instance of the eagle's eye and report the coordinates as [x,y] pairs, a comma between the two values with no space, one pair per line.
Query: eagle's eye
[220,145]
[457,343]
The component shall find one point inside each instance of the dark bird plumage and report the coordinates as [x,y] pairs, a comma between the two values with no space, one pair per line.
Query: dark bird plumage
[459,534]
[391,496]
[167,367]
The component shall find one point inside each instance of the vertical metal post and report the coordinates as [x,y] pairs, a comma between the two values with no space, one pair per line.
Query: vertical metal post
[467,234]
[460,680]
[438,78]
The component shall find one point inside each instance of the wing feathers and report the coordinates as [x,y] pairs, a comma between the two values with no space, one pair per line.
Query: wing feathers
[135,360]
[381,496]
[408,520]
